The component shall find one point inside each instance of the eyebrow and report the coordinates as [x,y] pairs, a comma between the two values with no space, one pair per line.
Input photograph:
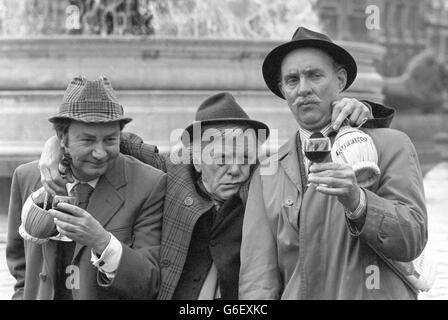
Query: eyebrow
[307,70]
[85,134]
[89,135]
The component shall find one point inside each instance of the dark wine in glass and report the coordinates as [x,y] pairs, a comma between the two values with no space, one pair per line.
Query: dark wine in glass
[317,147]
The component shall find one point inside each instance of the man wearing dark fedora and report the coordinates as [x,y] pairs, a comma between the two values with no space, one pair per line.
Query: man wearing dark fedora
[310,231]
[204,203]
[106,246]
[203,209]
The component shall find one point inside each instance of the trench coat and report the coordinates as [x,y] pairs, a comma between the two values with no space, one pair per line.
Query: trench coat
[299,244]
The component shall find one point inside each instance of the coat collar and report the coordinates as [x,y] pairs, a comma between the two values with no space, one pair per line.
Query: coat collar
[106,199]
[289,160]
[192,202]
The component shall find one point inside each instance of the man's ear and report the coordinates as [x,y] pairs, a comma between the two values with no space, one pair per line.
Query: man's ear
[342,78]
[62,140]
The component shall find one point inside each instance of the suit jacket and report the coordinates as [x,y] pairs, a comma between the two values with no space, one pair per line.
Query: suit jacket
[127,201]
[299,244]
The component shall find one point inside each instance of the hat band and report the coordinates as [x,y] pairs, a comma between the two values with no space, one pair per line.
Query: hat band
[93,111]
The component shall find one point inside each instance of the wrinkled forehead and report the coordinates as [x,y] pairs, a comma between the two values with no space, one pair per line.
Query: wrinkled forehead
[223,139]
[306,57]
[93,129]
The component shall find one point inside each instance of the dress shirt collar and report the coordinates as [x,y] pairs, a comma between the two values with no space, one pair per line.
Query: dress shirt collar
[70,185]
[305,134]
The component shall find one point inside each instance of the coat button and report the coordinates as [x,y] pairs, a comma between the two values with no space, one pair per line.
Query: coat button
[165,263]
[43,276]
[289,202]
[213,243]
[188,201]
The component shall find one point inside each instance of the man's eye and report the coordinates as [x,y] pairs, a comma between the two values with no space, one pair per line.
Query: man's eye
[291,80]
[316,75]
[111,140]
[87,140]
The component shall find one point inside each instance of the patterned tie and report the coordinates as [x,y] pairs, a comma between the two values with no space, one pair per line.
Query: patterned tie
[82,191]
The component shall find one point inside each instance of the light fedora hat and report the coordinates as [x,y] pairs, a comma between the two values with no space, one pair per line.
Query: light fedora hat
[222,108]
[90,101]
[305,38]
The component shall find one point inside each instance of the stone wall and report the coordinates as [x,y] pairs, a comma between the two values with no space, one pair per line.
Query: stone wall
[160,83]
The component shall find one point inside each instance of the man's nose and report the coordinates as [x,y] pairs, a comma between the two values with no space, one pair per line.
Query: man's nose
[234,169]
[99,152]
[304,87]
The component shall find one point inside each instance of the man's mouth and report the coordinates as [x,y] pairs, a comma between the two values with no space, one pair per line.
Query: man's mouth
[307,102]
[234,184]
[97,164]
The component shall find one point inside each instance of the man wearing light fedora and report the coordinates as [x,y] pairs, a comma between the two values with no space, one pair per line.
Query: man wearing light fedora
[310,231]
[108,245]
[204,204]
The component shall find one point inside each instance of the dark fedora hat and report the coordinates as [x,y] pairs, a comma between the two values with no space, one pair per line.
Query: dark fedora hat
[221,108]
[90,101]
[305,38]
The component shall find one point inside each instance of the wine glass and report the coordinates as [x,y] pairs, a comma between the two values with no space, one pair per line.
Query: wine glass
[66,199]
[317,148]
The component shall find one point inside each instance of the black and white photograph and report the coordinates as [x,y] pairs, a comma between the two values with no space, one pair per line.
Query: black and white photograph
[232,151]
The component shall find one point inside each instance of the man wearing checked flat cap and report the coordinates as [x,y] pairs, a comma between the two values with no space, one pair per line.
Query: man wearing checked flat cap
[310,231]
[106,246]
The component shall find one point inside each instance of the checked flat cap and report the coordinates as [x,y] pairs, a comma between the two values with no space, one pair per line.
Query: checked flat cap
[90,101]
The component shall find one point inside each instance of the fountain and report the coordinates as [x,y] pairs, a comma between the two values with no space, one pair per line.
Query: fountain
[163,58]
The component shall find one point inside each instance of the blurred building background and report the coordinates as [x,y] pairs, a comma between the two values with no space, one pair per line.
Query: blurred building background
[165,56]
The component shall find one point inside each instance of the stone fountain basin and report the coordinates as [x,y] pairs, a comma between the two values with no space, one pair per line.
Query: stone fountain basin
[136,63]
[160,82]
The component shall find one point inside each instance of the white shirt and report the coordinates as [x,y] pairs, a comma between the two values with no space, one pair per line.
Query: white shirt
[210,288]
